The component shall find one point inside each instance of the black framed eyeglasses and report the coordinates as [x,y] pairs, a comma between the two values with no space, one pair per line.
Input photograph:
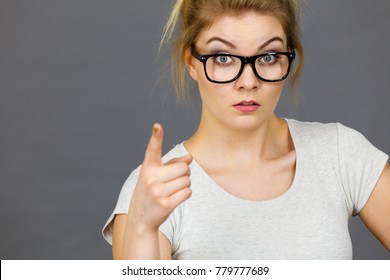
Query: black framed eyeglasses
[225,68]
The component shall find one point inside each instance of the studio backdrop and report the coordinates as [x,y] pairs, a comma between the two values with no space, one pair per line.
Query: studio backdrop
[81,84]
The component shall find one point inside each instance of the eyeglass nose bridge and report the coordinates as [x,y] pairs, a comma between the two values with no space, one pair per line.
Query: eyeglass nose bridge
[244,60]
[249,60]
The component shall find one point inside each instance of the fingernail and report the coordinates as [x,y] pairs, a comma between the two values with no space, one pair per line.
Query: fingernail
[155,128]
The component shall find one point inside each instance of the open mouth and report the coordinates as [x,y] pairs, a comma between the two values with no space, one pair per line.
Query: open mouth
[247,103]
[247,106]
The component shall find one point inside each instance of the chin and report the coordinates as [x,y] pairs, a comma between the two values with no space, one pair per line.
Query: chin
[246,124]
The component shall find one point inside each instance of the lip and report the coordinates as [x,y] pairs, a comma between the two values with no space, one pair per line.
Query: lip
[247,106]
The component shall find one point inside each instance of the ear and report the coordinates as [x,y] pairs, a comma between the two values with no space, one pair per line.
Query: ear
[190,64]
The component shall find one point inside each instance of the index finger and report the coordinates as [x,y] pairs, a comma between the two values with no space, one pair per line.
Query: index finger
[154,148]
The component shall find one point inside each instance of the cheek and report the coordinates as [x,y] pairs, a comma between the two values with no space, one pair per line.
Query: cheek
[215,91]
[271,94]
[274,89]
[204,85]
[207,91]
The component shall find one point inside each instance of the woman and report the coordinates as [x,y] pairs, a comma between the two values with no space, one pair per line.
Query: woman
[247,184]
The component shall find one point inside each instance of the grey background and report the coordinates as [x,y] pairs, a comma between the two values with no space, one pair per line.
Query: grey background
[81,85]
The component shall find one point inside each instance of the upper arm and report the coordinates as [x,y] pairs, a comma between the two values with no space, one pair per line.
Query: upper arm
[119,235]
[376,213]
[165,247]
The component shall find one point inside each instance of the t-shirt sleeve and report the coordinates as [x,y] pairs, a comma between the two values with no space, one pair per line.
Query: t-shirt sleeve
[361,165]
[122,207]
[169,227]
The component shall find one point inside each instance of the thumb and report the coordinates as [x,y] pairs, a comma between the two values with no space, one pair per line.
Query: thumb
[187,159]
[154,148]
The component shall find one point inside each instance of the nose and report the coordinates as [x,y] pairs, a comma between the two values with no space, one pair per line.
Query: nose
[248,79]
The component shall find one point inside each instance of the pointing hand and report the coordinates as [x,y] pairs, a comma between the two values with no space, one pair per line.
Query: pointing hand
[160,187]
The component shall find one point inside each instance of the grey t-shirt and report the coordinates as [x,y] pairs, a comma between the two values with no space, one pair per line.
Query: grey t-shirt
[336,171]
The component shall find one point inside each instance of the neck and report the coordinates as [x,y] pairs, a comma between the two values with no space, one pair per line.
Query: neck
[220,144]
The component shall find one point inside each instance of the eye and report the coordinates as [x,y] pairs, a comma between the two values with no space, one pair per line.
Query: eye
[268,58]
[223,59]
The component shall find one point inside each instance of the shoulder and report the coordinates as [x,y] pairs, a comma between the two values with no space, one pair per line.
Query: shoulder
[319,132]
[313,134]
[304,127]
[178,150]
[331,138]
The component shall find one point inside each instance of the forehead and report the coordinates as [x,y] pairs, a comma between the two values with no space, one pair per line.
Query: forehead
[249,28]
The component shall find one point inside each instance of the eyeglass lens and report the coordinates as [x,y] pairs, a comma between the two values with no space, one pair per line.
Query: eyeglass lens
[271,66]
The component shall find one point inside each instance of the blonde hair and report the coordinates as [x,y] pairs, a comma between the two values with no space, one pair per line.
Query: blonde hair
[189,17]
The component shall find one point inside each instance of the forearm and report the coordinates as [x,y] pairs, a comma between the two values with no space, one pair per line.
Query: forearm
[140,243]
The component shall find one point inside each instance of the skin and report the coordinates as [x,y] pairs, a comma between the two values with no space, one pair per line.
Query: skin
[376,212]
[159,190]
[259,144]
[255,141]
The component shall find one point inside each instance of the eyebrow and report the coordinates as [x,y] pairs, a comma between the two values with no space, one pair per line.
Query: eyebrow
[212,39]
[230,44]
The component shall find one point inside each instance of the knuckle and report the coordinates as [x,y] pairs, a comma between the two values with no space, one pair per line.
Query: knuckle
[152,149]
[149,182]
[150,176]
[188,192]
[183,168]
[186,181]
[165,205]
[185,194]
[155,192]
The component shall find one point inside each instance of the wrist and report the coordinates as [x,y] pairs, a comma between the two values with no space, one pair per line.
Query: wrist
[142,229]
